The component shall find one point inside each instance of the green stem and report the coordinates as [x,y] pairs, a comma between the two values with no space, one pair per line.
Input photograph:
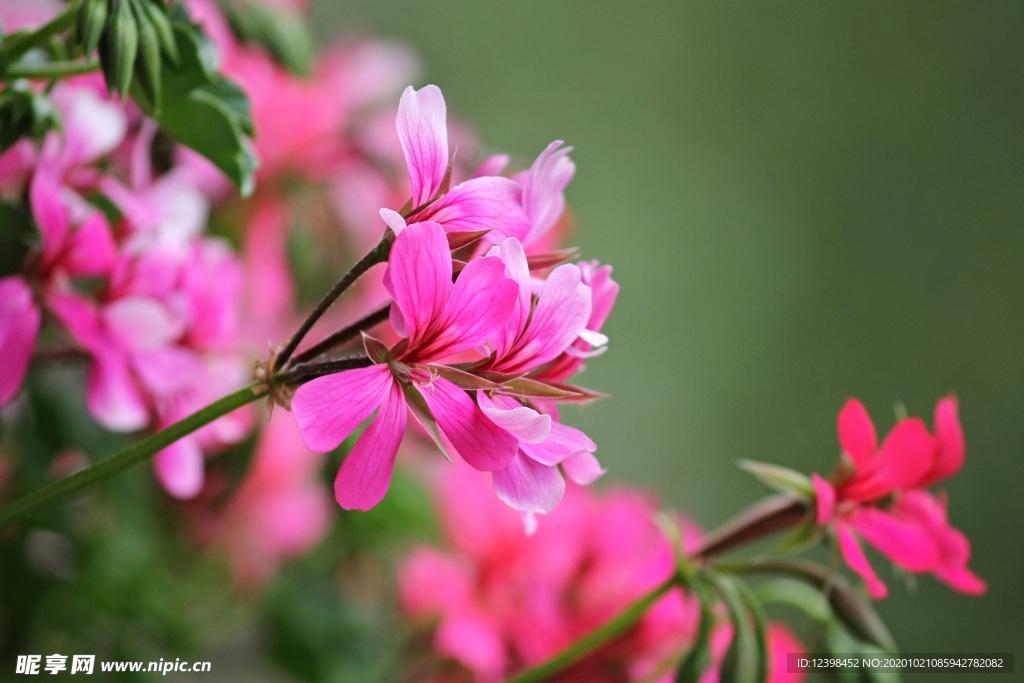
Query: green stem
[52,70]
[140,451]
[596,638]
[16,47]
[378,254]
[343,335]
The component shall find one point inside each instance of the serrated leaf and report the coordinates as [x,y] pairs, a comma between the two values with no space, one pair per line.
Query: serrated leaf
[697,659]
[421,410]
[780,478]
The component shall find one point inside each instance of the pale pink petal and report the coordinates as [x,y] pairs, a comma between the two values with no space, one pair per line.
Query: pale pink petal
[583,468]
[526,424]
[849,546]
[489,203]
[423,133]
[112,395]
[419,278]
[562,442]
[949,436]
[480,303]
[475,643]
[19,327]
[479,442]
[492,165]
[329,408]
[139,323]
[857,433]
[365,474]
[529,486]
[824,499]
[429,582]
[604,291]
[93,125]
[544,187]
[393,220]
[562,311]
[179,467]
[904,542]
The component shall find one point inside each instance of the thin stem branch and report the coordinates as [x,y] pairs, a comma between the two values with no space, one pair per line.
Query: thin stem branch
[52,70]
[761,519]
[307,371]
[598,637]
[140,451]
[343,335]
[21,44]
[378,254]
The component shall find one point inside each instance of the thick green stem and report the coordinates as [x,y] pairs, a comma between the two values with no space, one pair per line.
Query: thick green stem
[596,638]
[378,254]
[19,45]
[128,457]
[47,71]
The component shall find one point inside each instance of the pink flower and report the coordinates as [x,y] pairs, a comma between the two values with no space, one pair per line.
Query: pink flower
[502,600]
[484,203]
[281,508]
[883,500]
[435,319]
[547,318]
[544,186]
[19,326]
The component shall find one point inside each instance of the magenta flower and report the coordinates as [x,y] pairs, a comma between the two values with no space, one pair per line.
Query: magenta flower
[436,319]
[483,203]
[547,318]
[883,500]
[19,325]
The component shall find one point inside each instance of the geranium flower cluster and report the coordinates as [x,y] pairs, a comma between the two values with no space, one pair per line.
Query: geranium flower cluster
[497,600]
[879,494]
[484,342]
[120,270]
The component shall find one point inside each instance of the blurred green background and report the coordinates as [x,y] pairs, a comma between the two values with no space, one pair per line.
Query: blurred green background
[803,202]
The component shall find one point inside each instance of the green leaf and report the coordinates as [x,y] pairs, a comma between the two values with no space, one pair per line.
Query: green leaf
[698,657]
[282,32]
[746,660]
[780,478]
[859,616]
[25,113]
[799,538]
[375,348]
[797,594]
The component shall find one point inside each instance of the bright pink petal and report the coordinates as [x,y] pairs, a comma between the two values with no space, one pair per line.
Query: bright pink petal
[857,433]
[179,467]
[489,203]
[949,436]
[782,644]
[50,214]
[824,499]
[855,558]
[907,452]
[430,583]
[480,303]
[80,317]
[526,424]
[19,327]
[365,474]
[904,542]
[92,250]
[954,548]
[561,313]
[113,396]
[423,133]
[479,442]
[419,278]
[329,408]
[528,486]
[583,468]
[518,269]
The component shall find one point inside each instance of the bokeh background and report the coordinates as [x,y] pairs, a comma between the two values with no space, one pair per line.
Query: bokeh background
[803,202]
